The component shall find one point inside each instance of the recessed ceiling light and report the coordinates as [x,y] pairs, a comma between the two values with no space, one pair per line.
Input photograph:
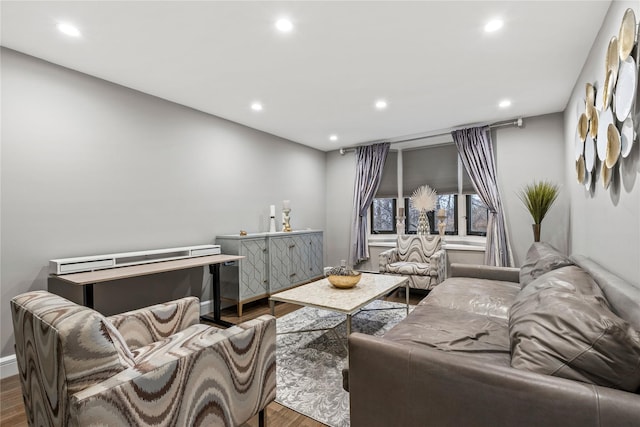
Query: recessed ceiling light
[504,103]
[284,25]
[493,25]
[381,104]
[256,106]
[333,137]
[68,29]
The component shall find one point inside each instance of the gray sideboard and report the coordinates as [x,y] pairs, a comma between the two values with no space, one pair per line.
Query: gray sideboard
[273,262]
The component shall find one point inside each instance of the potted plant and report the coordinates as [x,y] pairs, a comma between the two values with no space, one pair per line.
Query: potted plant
[538,198]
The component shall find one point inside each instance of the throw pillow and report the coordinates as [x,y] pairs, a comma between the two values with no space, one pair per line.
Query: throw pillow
[571,278]
[557,329]
[541,258]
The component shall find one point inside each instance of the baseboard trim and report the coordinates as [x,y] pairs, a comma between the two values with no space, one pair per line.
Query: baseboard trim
[8,366]
[206,307]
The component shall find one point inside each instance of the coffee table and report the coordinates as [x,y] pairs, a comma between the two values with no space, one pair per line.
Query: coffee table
[322,294]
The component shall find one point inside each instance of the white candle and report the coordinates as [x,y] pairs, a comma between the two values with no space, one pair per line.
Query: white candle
[285,204]
[273,210]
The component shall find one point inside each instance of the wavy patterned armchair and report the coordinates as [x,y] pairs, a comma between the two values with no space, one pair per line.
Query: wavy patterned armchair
[421,258]
[154,366]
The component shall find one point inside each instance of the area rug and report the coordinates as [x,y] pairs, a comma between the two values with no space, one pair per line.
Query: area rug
[309,364]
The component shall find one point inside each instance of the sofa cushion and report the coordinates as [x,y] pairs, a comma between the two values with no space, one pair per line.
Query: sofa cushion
[410,268]
[540,259]
[479,296]
[457,331]
[417,248]
[561,325]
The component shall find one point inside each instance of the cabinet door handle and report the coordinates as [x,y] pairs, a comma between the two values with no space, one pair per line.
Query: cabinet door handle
[292,246]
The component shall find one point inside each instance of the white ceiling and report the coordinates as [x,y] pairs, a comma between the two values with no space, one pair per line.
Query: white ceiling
[430,60]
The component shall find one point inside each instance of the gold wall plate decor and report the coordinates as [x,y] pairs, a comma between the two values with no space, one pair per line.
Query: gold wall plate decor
[627,34]
[583,126]
[613,146]
[591,95]
[612,61]
[578,147]
[592,114]
[607,90]
[580,169]
[606,176]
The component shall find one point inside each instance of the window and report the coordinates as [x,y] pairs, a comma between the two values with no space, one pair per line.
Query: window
[448,202]
[440,167]
[383,216]
[477,216]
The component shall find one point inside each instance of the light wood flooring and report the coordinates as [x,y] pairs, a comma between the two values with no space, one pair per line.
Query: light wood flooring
[12,409]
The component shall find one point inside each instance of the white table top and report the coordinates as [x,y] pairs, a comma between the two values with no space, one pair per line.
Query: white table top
[322,294]
[116,273]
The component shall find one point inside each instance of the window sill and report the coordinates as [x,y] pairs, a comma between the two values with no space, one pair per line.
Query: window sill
[460,243]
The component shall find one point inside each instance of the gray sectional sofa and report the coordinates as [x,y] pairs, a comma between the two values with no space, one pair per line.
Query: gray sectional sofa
[555,343]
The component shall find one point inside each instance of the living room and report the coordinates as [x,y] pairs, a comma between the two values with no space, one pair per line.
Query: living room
[91,166]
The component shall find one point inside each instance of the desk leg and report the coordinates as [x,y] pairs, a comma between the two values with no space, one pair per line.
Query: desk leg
[406,292]
[272,307]
[87,295]
[214,269]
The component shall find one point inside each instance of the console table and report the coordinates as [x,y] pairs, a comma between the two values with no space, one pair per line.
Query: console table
[272,262]
[88,279]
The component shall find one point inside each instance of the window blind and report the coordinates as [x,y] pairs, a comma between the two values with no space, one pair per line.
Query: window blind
[389,181]
[436,166]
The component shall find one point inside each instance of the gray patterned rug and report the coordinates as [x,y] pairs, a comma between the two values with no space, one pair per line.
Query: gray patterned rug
[309,364]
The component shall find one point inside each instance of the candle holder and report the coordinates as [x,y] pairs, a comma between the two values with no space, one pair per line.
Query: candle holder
[285,219]
[400,224]
[272,218]
[442,215]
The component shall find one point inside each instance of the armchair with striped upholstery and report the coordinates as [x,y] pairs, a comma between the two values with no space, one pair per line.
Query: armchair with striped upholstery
[154,366]
[419,257]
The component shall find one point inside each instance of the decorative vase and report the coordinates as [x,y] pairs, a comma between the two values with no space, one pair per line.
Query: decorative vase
[536,232]
[423,223]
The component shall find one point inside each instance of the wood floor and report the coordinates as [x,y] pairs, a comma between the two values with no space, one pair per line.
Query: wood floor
[12,409]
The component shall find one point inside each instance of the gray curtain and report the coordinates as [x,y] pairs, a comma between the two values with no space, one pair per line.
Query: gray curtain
[370,162]
[476,152]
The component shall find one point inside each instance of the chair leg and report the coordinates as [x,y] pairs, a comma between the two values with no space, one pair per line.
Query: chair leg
[262,419]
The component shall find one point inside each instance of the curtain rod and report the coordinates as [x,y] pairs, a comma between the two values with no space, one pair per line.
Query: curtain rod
[517,122]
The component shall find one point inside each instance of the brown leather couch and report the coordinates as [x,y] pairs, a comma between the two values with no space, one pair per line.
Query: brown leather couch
[481,351]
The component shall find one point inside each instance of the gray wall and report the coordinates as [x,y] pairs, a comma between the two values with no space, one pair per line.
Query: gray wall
[90,167]
[341,174]
[535,151]
[605,224]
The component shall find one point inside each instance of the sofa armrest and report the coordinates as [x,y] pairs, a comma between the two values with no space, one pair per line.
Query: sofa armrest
[157,322]
[387,257]
[438,263]
[215,377]
[506,274]
[447,389]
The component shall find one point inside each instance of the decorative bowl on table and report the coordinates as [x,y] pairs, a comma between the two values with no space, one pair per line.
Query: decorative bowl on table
[344,282]
[343,277]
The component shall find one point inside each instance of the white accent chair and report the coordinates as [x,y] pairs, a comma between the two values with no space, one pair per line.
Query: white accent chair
[419,257]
